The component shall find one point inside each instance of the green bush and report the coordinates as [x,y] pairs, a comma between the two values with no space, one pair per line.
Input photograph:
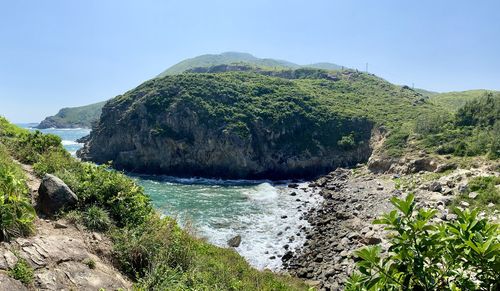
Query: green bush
[90,263]
[16,212]
[137,247]
[460,255]
[96,218]
[22,271]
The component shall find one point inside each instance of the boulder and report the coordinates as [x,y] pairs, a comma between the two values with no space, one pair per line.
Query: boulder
[235,241]
[55,195]
[435,187]
[445,167]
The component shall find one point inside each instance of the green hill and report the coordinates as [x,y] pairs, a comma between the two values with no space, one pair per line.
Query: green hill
[251,124]
[228,58]
[74,117]
[454,100]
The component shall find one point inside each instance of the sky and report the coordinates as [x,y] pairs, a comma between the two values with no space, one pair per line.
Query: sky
[59,53]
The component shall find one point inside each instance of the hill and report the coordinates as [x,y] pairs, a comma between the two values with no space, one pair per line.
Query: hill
[229,58]
[454,100]
[250,124]
[74,117]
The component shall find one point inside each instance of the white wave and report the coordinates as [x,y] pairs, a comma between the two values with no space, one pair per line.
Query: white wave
[69,142]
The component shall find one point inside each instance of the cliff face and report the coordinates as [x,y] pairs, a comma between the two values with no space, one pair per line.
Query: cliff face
[229,125]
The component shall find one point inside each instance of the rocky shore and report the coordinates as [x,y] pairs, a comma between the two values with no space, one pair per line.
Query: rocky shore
[353,198]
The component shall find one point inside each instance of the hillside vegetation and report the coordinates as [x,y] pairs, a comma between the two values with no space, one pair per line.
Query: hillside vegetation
[474,129]
[452,101]
[268,124]
[150,249]
[229,58]
[74,117]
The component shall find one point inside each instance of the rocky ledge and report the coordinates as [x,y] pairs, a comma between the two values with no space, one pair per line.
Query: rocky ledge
[353,198]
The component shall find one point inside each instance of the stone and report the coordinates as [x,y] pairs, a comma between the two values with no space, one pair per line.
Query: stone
[287,256]
[491,205]
[473,195]
[10,259]
[96,236]
[235,241]
[463,188]
[55,195]
[11,284]
[293,185]
[445,167]
[435,187]
[59,225]
[464,204]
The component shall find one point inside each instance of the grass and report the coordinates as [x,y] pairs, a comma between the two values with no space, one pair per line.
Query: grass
[96,218]
[22,271]
[16,212]
[487,192]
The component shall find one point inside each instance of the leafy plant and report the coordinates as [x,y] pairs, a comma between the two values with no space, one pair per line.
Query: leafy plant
[90,263]
[460,255]
[16,212]
[22,271]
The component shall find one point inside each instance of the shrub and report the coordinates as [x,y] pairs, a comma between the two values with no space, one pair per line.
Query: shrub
[137,247]
[90,263]
[16,212]
[460,255]
[74,217]
[96,218]
[347,141]
[22,271]
[29,146]
[53,161]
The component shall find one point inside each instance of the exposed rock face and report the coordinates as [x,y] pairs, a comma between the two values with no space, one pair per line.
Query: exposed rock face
[58,258]
[55,195]
[8,283]
[165,131]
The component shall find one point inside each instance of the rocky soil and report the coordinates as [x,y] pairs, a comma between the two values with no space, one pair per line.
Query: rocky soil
[352,199]
[64,256]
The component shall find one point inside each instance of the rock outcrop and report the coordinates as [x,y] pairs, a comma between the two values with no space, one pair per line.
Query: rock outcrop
[212,125]
[62,259]
[54,195]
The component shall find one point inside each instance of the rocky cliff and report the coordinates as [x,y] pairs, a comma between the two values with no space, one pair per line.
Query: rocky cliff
[75,117]
[231,125]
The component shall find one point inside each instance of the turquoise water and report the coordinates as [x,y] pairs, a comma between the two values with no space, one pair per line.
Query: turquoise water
[220,209]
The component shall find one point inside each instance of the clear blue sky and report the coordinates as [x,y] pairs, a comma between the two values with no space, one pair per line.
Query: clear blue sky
[59,53]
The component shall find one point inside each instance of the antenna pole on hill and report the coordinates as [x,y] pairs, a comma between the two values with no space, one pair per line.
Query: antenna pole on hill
[366,67]
[413,85]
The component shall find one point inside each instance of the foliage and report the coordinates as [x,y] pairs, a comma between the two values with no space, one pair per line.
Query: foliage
[473,130]
[487,192]
[90,263]
[452,101]
[232,58]
[459,255]
[96,218]
[16,212]
[22,271]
